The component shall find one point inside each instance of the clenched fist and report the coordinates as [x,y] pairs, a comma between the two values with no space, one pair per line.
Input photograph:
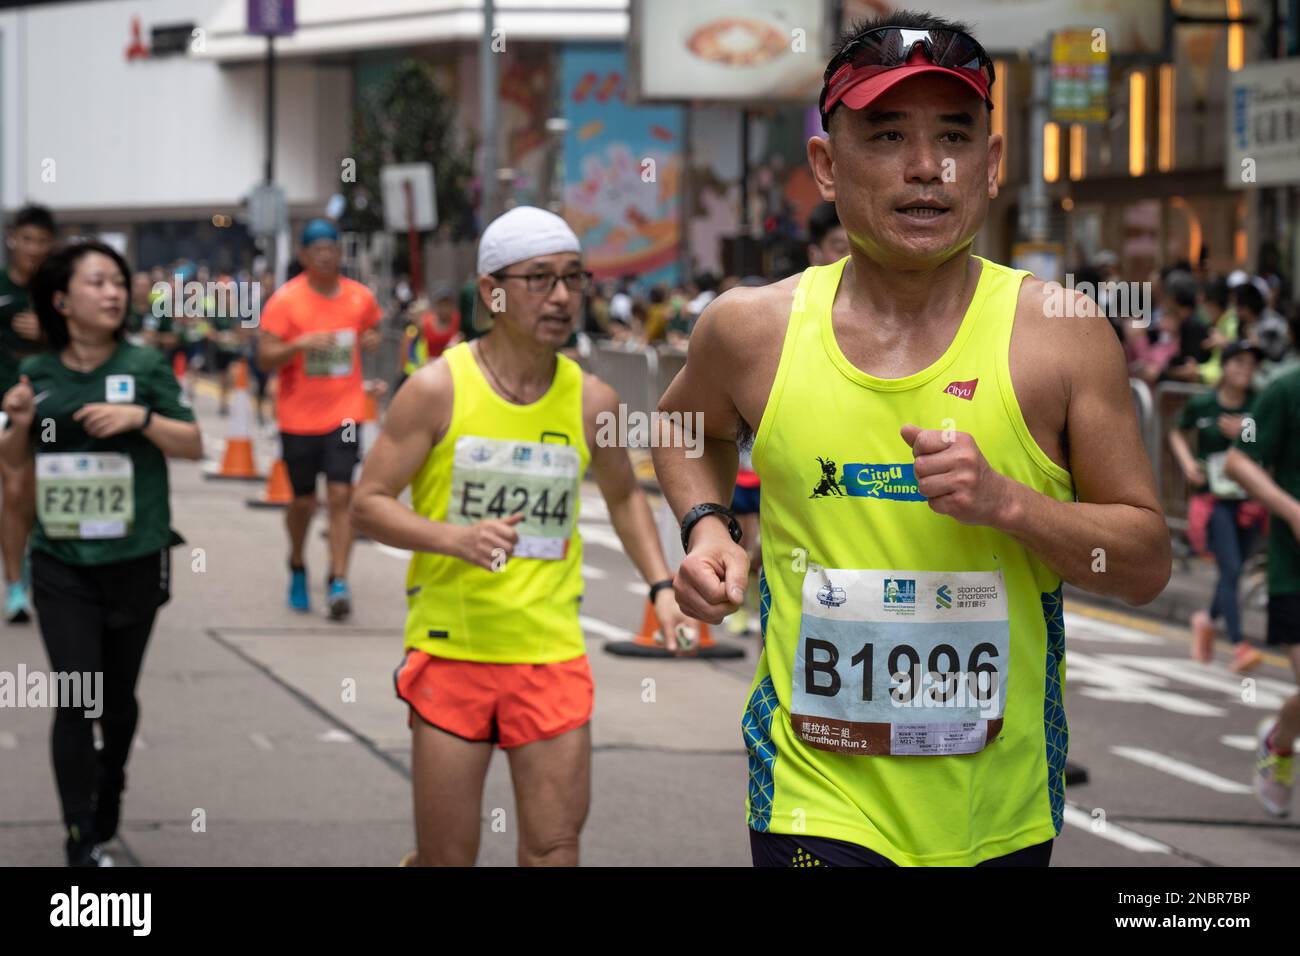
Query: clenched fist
[710,583]
[954,476]
[489,543]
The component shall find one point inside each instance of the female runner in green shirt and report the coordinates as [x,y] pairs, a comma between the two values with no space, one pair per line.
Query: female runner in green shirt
[95,417]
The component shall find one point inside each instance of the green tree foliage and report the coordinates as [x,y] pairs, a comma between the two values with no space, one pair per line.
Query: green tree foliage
[407,118]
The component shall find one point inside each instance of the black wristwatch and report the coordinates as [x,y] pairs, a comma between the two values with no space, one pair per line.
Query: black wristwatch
[148,417]
[703,511]
[665,584]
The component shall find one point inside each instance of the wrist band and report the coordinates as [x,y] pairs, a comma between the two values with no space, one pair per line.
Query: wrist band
[665,584]
[148,417]
[702,511]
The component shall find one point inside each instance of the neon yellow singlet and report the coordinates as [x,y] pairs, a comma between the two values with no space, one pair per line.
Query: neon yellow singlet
[862,581]
[499,459]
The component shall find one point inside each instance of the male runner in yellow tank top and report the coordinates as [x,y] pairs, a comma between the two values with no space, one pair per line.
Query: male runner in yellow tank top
[493,439]
[937,455]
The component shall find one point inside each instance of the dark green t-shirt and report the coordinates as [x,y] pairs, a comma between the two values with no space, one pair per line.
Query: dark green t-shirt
[101,500]
[1277,446]
[13,347]
[1202,414]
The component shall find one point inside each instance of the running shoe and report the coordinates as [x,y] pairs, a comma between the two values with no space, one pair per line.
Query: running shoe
[340,599]
[1202,637]
[737,623]
[85,852]
[1245,658]
[17,607]
[298,598]
[1273,773]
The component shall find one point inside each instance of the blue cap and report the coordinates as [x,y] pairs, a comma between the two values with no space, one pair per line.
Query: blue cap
[319,229]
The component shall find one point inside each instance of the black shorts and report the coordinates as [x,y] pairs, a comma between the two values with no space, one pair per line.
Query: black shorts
[744,501]
[1284,619]
[784,850]
[307,456]
[123,592]
[226,359]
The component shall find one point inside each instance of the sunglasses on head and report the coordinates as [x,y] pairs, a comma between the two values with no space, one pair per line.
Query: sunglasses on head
[887,48]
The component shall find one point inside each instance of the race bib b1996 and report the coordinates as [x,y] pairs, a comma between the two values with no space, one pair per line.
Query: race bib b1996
[906,663]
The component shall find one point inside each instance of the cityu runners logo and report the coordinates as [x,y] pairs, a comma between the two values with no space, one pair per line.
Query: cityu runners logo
[964,390]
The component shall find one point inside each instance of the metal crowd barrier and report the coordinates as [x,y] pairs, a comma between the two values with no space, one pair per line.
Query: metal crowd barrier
[1158,415]
[1170,398]
[639,375]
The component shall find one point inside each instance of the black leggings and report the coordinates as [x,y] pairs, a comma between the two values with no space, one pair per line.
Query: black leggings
[96,620]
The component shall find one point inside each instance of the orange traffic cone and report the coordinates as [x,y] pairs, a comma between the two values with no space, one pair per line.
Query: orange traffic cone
[278,491]
[649,636]
[237,463]
[646,644]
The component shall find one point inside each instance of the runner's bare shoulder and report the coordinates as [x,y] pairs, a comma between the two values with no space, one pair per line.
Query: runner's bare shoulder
[424,402]
[1061,341]
[743,326]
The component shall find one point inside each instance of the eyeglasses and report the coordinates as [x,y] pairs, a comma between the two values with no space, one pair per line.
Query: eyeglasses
[544,282]
[887,48]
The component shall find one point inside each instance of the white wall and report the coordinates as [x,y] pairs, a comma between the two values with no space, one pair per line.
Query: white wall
[175,135]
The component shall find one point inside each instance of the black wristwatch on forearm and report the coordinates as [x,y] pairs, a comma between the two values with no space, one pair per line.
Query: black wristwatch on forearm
[703,511]
[665,585]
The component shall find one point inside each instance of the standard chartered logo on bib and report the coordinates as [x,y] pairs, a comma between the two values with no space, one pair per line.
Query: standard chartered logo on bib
[900,662]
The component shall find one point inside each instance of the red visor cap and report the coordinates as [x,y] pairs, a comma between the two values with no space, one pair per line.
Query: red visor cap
[856,88]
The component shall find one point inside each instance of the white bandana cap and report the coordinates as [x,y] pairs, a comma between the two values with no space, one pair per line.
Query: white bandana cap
[522,233]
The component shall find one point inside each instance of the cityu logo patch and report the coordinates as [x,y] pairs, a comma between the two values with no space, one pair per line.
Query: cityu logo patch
[964,390]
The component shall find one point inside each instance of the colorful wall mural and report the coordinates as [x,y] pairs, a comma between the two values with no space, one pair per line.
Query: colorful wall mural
[622,169]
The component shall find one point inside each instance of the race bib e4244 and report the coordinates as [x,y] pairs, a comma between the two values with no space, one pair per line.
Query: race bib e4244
[494,478]
[904,663]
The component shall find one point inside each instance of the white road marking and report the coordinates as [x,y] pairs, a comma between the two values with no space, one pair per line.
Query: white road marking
[603,629]
[261,741]
[335,736]
[1080,627]
[594,508]
[600,534]
[1183,771]
[1115,834]
[593,572]
[1239,741]
[1269,693]
[400,553]
[1107,678]
[638,588]
[8,741]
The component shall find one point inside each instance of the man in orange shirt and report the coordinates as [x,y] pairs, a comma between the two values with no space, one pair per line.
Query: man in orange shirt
[311,328]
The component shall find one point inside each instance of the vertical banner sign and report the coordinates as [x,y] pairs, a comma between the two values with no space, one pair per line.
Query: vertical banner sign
[1264,125]
[1080,78]
[270,18]
[622,169]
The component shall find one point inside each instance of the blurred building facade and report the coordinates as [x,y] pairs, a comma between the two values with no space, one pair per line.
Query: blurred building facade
[162,149]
